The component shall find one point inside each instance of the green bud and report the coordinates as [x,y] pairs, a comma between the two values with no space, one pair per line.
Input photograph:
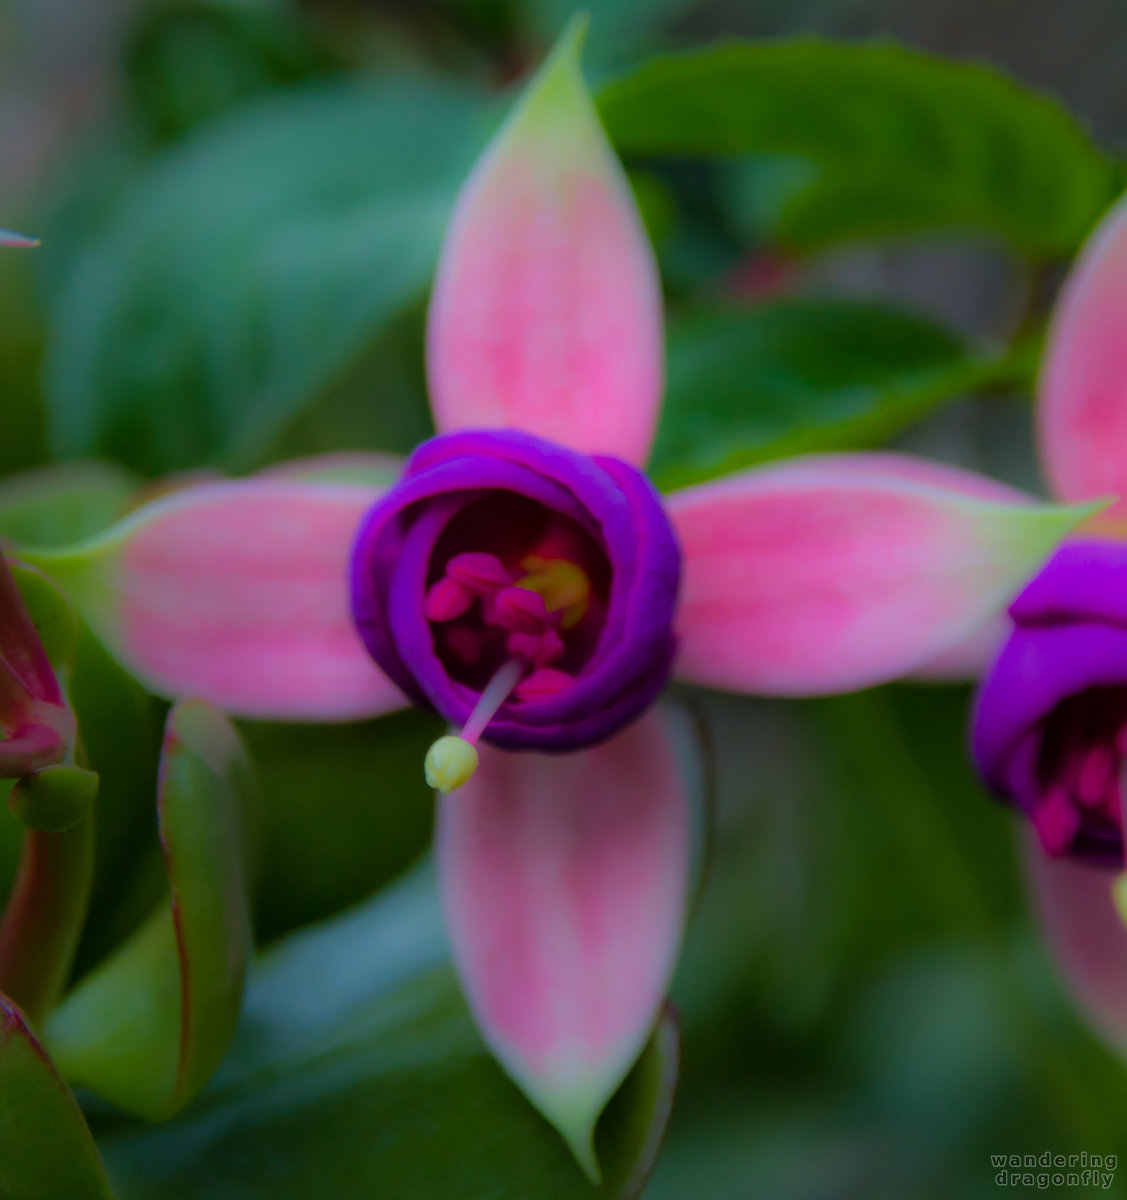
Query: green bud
[53,799]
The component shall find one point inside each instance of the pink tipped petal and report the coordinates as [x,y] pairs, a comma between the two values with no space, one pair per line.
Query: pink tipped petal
[236,593]
[831,573]
[564,885]
[1082,406]
[546,313]
[446,600]
[863,466]
[1085,933]
[543,683]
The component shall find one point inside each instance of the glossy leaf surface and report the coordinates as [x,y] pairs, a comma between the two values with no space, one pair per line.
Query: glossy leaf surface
[797,376]
[241,272]
[902,141]
[148,1027]
[46,1151]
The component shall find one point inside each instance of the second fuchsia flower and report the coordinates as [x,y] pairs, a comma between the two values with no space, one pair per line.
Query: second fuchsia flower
[1050,728]
[522,578]
[1050,720]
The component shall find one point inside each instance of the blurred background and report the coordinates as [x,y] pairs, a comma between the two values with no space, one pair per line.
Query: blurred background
[240,202]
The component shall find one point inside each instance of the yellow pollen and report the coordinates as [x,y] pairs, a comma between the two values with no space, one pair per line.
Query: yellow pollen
[449,763]
[563,584]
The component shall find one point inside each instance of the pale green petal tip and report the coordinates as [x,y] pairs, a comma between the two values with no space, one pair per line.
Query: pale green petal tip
[1062,519]
[569,45]
[578,1131]
[574,1108]
[1039,528]
[1083,511]
[558,85]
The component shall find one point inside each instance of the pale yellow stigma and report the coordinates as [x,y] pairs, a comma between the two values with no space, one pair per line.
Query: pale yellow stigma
[449,763]
[563,584]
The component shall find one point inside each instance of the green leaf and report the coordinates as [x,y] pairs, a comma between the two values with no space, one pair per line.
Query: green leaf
[796,376]
[902,141]
[148,1027]
[190,60]
[243,272]
[58,505]
[357,1067]
[46,1151]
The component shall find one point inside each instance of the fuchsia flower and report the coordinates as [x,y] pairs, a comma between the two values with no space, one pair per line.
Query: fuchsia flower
[1050,722]
[1050,727]
[522,578]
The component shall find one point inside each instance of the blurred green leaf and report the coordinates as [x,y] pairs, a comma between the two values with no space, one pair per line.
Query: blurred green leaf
[190,60]
[148,1027]
[795,376]
[349,809]
[357,1071]
[242,273]
[46,1151]
[21,336]
[57,505]
[903,141]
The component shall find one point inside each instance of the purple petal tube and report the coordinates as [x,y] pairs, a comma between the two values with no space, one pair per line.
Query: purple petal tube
[511,499]
[1050,720]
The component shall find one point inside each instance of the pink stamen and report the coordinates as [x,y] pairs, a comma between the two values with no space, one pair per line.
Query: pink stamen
[540,649]
[1094,776]
[542,684]
[511,615]
[1057,822]
[446,600]
[482,574]
[519,610]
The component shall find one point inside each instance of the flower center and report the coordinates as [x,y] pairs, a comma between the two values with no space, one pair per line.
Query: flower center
[511,579]
[520,589]
[515,621]
[481,605]
[1083,748]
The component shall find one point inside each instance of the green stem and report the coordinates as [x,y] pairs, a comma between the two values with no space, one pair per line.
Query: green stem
[44,916]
